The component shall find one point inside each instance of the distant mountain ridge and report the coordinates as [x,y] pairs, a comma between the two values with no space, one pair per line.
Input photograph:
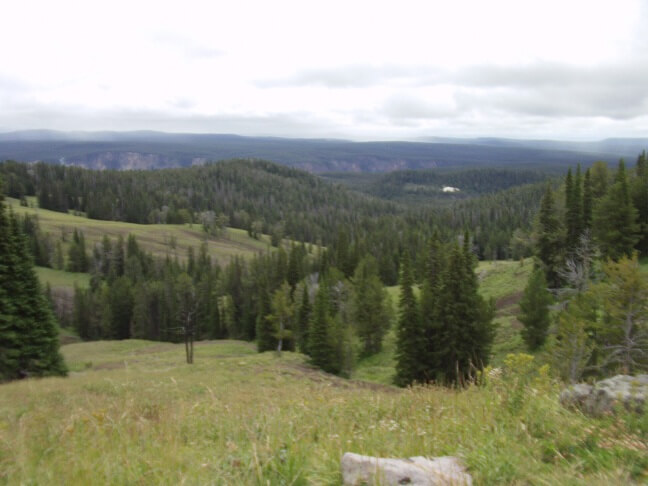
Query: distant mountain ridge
[154,150]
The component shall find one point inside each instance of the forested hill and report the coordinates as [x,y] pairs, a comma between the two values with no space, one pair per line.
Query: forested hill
[154,150]
[262,197]
[427,185]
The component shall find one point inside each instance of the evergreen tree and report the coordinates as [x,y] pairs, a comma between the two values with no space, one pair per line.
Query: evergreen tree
[549,242]
[615,218]
[466,330]
[118,308]
[534,308]
[283,313]
[574,210]
[320,343]
[430,305]
[587,201]
[639,190]
[370,313]
[303,320]
[29,344]
[410,338]
[265,333]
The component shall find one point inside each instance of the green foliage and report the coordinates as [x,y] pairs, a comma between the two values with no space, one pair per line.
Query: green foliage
[410,344]
[320,345]
[615,218]
[29,343]
[623,329]
[282,318]
[534,310]
[371,314]
[549,244]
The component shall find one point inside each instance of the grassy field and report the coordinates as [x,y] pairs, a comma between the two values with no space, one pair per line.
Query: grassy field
[61,279]
[133,412]
[159,239]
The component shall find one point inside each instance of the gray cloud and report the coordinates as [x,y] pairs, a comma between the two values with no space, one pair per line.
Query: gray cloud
[404,106]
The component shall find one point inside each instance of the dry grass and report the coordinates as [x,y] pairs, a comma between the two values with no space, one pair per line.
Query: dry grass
[137,414]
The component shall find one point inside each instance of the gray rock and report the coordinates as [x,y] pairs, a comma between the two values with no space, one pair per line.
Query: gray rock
[606,395]
[416,471]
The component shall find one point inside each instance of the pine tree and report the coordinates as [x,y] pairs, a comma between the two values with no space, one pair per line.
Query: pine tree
[283,313]
[466,330]
[549,243]
[410,338]
[430,305]
[29,344]
[265,335]
[587,201]
[639,190]
[370,313]
[615,218]
[534,308]
[574,210]
[320,343]
[303,322]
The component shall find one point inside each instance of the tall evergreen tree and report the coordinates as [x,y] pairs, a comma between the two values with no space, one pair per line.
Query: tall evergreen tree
[320,343]
[639,190]
[303,322]
[466,330]
[265,333]
[29,344]
[410,338]
[615,218]
[549,243]
[534,310]
[574,210]
[430,305]
[370,313]
[587,201]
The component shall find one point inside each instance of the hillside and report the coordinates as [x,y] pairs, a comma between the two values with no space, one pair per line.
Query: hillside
[159,239]
[427,185]
[133,411]
[154,150]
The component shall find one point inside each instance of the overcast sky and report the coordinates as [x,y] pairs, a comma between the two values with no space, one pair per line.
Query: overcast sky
[562,69]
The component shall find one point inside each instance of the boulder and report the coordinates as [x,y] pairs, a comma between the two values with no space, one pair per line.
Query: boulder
[606,395]
[416,471]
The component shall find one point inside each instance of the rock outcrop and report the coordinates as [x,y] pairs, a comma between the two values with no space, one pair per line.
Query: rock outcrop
[606,395]
[415,471]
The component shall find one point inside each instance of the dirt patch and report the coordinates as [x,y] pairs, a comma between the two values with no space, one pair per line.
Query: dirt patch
[508,301]
[319,376]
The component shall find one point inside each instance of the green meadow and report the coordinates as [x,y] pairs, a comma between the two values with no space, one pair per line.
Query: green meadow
[159,239]
[133,412]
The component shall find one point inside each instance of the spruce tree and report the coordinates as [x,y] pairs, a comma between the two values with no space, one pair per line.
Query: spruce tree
[639,190]
[430,305]
[615,218]
[320,343]
[574,210]
[265,335]
[587,201]
[410,338]
[370,313]
[303,322]
[549,243]
[466,330]
[534,310]
[29,344]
